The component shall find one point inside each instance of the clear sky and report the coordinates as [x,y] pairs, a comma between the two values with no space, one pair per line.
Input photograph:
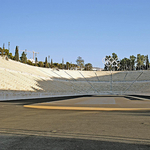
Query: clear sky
[67,29]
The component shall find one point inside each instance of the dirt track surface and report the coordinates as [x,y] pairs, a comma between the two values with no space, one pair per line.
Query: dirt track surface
[25,128]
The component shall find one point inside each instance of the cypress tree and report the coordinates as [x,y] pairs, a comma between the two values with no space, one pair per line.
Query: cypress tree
[51,63]
[2,51]
[62,63]
[17,54]
[3,45]
[147,63]
[36,60]
[46,64]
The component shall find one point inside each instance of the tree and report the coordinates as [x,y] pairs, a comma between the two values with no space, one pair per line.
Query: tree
[125,64]
[140,62]
[23,58]
[52,63]
[29,62]
[56,65]
[46,63]
[122,64]
[68,65]
[114,56]
[116,63]
[40,64]
[3,46]
[73,66]
[49,65]
[132,61]
[80,62]
[1,51]
[16,54]
[62,64]
[36,60]
[88,66]
[11,56]
[6,52]
[107,64]
[112,62]
[147,62]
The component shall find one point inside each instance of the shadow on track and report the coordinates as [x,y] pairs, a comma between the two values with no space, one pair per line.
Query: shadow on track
[42,100]
[41,142]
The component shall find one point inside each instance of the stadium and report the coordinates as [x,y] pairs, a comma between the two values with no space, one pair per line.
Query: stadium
[22,81]
[47,106]
[75,75]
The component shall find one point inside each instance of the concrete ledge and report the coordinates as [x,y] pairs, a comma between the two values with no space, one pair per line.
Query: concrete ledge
[86,108]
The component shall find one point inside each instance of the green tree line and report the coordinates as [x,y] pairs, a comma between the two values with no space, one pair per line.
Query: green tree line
[139,62]
[46,64]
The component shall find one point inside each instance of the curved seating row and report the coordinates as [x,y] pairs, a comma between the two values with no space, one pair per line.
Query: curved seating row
[36,81]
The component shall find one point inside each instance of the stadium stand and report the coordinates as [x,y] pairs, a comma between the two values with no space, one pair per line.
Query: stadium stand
[22,81]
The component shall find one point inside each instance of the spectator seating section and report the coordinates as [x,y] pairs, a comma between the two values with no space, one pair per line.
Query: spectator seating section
[20,80]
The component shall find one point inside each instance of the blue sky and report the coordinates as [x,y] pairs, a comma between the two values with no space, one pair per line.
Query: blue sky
[67,29]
